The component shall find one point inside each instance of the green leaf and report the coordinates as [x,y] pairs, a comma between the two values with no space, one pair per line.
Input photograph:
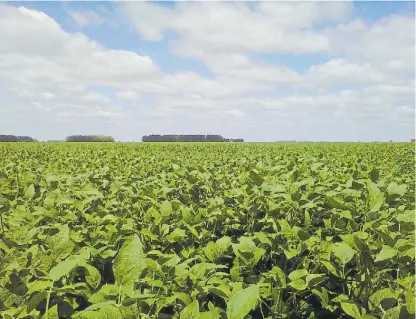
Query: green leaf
[191,311]
[256,178]
[386,252]
[62,269]
[166,208]
[30,192]
[35,300]
[410,301]
[4,204]
[130,261]
[394,189]
[93,277]
[102,311]
[243,302]
[374,174]
[220,291]
[351,309]
[207,315]
[375,197]
[298,284]
[52,313]
[330,267]
[291,253]
[307,219]
[376,298]
[343,252]
[314,279]
[322,293]
[392,313]
[299,273]
[407,216]
[106,292]
[279,276]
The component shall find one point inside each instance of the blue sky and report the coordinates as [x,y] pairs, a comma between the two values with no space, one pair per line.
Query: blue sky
[261,71]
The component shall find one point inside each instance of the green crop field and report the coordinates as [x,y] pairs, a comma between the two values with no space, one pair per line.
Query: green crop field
[209,230]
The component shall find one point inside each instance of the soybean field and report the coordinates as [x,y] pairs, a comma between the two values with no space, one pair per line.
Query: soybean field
[207,230]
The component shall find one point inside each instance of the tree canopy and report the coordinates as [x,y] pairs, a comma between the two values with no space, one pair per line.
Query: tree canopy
[89,138]
[13,138]
[188,138]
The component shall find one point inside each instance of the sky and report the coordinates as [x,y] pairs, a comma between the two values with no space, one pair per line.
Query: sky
[262,71]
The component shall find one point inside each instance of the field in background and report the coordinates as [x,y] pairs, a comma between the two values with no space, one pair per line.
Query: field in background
[213,230]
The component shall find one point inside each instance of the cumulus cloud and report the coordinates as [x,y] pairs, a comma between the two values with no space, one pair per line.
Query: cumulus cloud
[54,82]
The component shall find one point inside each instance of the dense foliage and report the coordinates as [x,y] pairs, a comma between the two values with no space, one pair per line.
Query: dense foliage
[207,230]
[188,138]
[89,138]
[13,138]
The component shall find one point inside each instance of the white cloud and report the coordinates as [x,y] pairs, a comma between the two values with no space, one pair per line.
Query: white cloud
[128,95]
[234,27]
[85,18]
[235,113]
[54,82]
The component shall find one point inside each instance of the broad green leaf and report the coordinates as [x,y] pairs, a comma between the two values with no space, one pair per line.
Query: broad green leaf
[191,311]
[410,301]
[223,243]
[385,253]
[343,252]
[256,178]
[243,302]
[407,216]
[376,298]
[299,273]
[374,174]
[394,189]
[330,267]
[106,292]
[93,276]
[30,192]
[298,284]
[130,261]
[376,197]
[166,208]
[291,253]
[351,309]
[221,291]
[62,269]
[314,279]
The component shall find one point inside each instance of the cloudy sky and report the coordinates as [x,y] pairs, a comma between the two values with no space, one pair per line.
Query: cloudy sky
[264,71]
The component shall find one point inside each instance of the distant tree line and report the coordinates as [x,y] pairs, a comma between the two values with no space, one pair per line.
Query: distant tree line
[188,138]
[13,138]
[89,138]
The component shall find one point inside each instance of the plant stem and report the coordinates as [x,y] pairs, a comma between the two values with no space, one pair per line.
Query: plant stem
[18,184]
[47,301]
[1,222]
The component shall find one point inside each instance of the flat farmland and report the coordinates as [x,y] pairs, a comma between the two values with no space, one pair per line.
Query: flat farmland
[207,230]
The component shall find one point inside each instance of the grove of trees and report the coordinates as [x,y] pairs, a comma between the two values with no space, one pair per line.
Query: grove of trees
[89,138]
[13,138]
[188,138]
